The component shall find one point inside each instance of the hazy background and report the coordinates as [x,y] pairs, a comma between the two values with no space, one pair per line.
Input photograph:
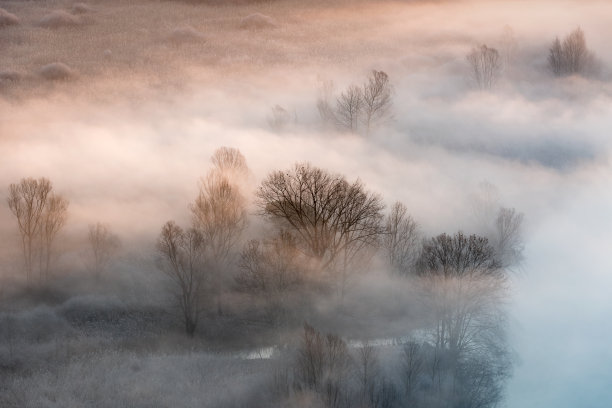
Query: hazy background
[129,134]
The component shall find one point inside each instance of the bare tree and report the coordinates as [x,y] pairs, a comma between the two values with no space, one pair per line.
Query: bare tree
[40,215]
[570,56]
[310,362]
[365,105]
[401,239]
[273,270]
[219,212]
[555,58]
[575,52]
[465,286]
[485,65]
[230,162]
[326,112]
[322,365]
[328,215]
[377,101]
[183,260]
[508,46]
[412,367]
[270,267]
[349,108]
[103,244]
[54,218]
[509,237]
[464,280]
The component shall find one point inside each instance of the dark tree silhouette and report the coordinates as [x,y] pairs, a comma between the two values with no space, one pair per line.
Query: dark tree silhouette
[328,215]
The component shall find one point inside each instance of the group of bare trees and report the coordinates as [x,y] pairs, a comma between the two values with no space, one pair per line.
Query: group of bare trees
[327,373]
[196,258]
[40,214]
[460,360]
[358,107]
[570,56]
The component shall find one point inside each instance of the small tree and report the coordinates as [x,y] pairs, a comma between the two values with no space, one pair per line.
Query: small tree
[54,218]
[349,108]
[219,211]
[103,244]
[219,214]
[465,287]
[413,365]
[368,366]
[509,236]
[485,65]
[366,105]
[401,239]
[556,59]
[182,259]
[377,101]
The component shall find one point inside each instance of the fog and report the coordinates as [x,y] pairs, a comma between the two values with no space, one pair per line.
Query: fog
[151,89]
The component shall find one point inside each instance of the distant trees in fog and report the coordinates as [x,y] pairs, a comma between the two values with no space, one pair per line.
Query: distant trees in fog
[401,240]
[103,244]
[486,66]
[40,215]
[570,56]
[509,236]
[183,260]
[359,106]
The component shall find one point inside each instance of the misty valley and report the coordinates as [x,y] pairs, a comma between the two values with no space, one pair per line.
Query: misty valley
[356,203]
